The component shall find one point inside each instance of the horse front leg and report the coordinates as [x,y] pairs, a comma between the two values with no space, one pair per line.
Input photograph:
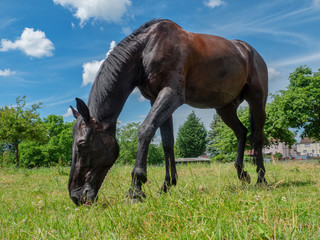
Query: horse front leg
[166,103]
[168,147]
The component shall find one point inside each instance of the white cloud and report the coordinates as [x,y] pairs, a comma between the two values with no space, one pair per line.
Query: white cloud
[298,60]
[316,3]
[32,43]
[108,10]
[138,93]
[68,113]
[273,73]
[90,69]
[6,73]
[214,3]
[126,30]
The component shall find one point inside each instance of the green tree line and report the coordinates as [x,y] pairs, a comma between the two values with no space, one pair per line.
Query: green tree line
[295,109]
[289,112]
[29,141]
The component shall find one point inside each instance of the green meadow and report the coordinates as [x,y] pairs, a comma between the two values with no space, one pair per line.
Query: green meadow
[208,203]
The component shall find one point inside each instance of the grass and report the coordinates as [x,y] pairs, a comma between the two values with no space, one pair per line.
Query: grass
[208,203]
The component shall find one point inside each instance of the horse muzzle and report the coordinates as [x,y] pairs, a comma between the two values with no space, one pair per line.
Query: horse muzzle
[83,196]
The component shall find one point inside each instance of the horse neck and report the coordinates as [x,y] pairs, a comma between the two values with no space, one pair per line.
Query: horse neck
[106,103]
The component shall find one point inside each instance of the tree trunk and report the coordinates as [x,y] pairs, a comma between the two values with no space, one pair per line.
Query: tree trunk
[16,149]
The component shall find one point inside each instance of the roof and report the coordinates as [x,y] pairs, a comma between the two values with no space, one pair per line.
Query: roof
[306,140]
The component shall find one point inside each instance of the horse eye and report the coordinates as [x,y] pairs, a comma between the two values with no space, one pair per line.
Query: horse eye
[81,144]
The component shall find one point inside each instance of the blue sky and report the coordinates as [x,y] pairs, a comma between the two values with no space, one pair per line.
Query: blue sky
[50,49]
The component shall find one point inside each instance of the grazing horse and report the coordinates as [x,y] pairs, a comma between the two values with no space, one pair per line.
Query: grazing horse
[170,66]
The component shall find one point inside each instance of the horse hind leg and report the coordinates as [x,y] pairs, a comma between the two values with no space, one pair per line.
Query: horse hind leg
[168,147]
[256,96]
[259,116]
[229,115]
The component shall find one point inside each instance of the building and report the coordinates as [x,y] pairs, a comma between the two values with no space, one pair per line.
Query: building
[308,148]
[287,153]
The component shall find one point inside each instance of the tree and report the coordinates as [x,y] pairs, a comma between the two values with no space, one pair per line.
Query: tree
[222,139]
[155,154]
[19,123]
[224,142]
[191,137]
[275,129]
[298,106]
[128,142]
[127,136]
[213,135]
[57,147]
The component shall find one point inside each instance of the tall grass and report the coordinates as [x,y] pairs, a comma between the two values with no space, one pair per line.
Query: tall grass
[208,203]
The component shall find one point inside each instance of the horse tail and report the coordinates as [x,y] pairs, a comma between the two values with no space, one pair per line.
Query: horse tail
[252,129]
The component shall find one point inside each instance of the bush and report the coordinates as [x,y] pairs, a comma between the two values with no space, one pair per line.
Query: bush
[225,157]
[127,137]
[278,155]
[155,154]
[31,155]
[7,158]
[57,146]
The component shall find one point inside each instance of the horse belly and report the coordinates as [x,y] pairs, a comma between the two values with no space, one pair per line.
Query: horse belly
[208,99]
[214,87]
[217,72]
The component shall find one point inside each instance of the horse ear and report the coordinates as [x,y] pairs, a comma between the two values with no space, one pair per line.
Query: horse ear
[75,113]
[83,110]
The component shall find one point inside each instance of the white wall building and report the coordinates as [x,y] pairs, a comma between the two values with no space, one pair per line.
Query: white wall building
[283,149]
[307,147]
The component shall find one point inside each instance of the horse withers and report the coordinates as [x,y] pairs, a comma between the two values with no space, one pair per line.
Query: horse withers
[171,67]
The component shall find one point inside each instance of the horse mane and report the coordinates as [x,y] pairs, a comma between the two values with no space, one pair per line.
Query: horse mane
[108,73]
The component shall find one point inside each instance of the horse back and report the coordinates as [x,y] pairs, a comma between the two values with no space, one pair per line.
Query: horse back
[209,71]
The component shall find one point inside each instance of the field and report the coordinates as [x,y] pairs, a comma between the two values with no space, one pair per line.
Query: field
[208,203]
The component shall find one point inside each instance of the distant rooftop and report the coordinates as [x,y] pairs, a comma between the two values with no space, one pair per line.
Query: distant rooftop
[306,140]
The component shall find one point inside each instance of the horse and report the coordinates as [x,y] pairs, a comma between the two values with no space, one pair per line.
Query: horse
[170,66]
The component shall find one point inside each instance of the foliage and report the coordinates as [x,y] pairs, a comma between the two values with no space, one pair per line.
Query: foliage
[275,129]
[191,138]
[58,145]
[209,202]
[223,140]
[55,146]
[298,106]
[7,156]
[19,123]
[278,155]
[127,136]
[155,154]
[213,134]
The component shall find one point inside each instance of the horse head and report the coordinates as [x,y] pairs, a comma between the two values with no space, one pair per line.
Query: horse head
[94,151]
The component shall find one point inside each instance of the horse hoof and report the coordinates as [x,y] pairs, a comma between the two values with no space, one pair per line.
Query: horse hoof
[135,195]
[134,200]
[245,178]
[164,189]
[262,184]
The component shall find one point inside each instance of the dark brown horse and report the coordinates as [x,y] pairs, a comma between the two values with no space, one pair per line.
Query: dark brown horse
[171,67]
